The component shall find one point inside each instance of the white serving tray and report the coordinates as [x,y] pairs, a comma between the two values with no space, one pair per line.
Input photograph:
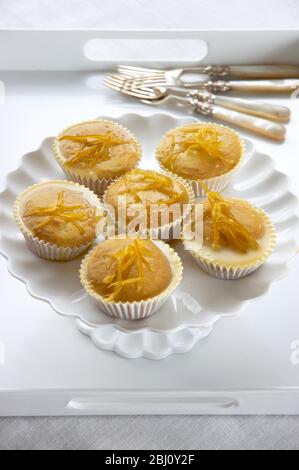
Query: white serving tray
[247,365]
[193,309]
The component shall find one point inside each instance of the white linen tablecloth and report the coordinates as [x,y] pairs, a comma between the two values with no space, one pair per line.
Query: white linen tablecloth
[150,432]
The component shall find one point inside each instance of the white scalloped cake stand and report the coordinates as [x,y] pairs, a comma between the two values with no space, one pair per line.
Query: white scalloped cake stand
[194,308]
[148,344]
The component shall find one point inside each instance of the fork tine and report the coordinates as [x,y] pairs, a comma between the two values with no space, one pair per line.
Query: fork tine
[111,85]
[110,82]
[137,93]
[148,79]
[151,83]
[139,75]
[125,92]
[119,85]
[144,83]
[137,80]
[138,70]
[116,77]
[115,80]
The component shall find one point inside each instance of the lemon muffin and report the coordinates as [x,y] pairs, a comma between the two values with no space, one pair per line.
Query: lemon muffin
[131,278]
[201,151]
[93,153]
[237,237]
[161,197]
[58,219]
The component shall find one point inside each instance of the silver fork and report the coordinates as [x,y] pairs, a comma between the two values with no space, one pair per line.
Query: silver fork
[173,78]
[154,91]
[240,71]
[193,104]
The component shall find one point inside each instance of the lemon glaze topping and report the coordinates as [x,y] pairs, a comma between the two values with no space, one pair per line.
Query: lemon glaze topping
[152,181]
[135,254]
[96,148]
[226,229]
[200,151]
[63,212]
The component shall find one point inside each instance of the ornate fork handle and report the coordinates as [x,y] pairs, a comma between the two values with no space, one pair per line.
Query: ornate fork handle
[239,71]
[210,70]
[209,85]
[256,108]
[251,86]
[202,95]
[260,126]
[203,107]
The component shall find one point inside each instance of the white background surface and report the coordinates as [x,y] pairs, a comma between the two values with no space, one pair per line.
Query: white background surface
[147,432]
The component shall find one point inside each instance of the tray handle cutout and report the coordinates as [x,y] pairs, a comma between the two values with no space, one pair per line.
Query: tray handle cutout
[146,50]
[150,404]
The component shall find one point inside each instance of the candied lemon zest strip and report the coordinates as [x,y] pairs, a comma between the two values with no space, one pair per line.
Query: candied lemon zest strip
[96,148]
[151,181]
[201,139]
[63,212]
[134,254]
[226,226]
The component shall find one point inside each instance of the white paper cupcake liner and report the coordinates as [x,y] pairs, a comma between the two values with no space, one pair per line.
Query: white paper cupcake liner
[219,183]
[143,308]
[165,232]
[95,184]
[98,186]
[44,249]
[226,272]
[216,183]
[54,252]
[234,271]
